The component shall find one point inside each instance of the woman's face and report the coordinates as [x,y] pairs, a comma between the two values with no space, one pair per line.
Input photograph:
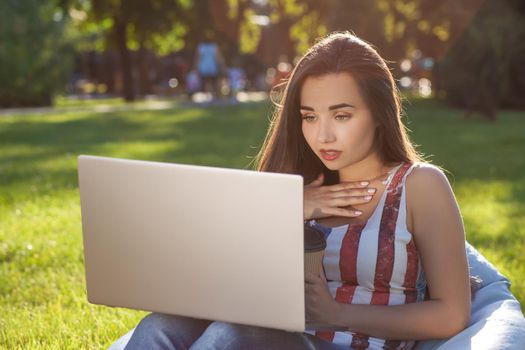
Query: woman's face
[336,123]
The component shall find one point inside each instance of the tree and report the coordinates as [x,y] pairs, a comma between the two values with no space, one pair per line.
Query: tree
[135,24]
[485,68]
[35,57]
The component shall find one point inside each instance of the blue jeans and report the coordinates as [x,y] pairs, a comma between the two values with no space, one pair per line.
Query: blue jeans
[160,331]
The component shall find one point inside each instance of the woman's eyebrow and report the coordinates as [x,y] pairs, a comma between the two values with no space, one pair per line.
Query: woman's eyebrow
[331,108]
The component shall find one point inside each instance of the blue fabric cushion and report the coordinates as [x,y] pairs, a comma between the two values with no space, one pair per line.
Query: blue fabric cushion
[496,321]
[120,344]
[481,267]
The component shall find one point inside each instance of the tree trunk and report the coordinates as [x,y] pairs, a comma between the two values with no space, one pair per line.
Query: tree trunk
[143,68]
[119,27]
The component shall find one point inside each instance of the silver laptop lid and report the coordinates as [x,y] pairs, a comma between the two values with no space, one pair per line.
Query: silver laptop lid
[212,243]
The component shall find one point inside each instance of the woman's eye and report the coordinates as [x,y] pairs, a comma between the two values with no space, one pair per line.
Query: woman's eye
[311,118]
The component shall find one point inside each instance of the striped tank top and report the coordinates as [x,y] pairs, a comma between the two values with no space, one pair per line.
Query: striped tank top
[374,263]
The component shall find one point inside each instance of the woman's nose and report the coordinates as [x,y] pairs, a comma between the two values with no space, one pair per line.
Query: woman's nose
[326,134]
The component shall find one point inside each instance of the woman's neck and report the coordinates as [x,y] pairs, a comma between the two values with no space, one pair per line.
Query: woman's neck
[366,169]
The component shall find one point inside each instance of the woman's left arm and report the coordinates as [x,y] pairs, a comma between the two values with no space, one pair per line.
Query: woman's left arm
[440,239]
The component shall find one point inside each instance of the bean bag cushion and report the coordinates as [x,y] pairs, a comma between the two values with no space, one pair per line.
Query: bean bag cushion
[496,320]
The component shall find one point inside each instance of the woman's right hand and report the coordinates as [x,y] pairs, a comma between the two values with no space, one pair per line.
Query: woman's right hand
[323,201]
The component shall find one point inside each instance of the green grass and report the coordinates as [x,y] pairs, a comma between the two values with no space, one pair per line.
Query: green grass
[62,101]
[42,293]
[105,104]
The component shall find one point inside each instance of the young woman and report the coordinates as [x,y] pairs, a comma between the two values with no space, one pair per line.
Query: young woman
[387,217]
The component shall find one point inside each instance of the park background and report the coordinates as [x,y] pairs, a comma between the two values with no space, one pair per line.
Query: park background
[109,78]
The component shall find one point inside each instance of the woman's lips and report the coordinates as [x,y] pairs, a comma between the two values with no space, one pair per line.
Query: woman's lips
[330,154]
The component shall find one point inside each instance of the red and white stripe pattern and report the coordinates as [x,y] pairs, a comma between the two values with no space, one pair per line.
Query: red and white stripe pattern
[374,263]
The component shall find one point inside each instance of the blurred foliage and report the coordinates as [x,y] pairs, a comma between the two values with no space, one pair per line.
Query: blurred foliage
[399,27]
[307,19]
[442,30]
[250,33]
[486,67]
[157,25]
[308,28]
[165,26]
[35,56]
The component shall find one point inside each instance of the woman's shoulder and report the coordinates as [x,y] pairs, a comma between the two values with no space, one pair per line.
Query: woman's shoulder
[425,176]
[427,192]
[425,183]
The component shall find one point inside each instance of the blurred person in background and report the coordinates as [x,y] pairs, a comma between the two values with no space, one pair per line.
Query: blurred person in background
[236,78]
[209,64]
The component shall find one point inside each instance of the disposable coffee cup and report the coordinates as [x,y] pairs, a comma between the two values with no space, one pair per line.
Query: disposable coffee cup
[314,246]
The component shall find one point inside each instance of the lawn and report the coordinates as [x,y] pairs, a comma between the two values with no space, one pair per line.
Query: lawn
[42,293]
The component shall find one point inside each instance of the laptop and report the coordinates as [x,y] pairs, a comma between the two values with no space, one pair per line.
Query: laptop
[205,242]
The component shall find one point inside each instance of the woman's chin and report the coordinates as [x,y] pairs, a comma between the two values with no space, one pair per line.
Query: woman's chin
[331,166]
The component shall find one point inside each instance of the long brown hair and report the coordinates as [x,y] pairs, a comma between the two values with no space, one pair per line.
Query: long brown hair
[285,149]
